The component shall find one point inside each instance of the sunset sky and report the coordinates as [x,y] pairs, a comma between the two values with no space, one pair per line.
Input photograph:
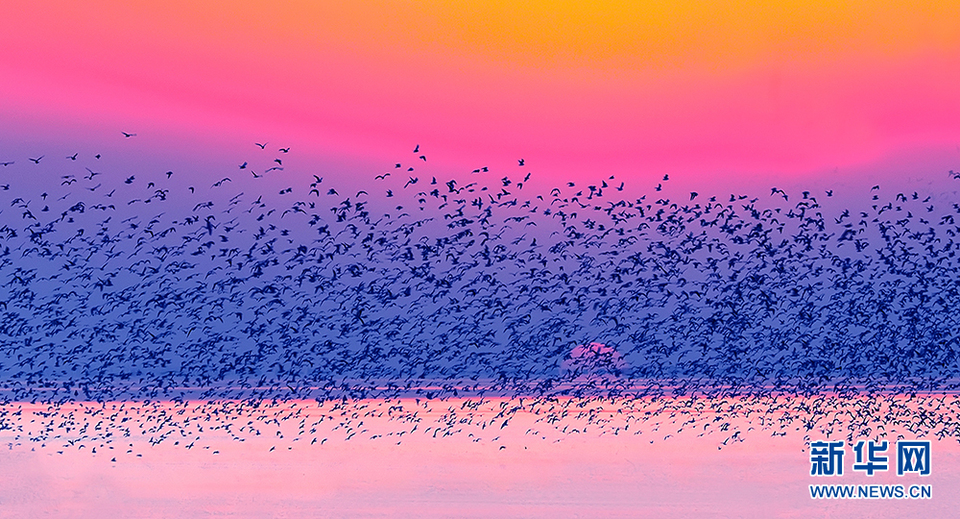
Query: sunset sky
[778,93]
[698,89]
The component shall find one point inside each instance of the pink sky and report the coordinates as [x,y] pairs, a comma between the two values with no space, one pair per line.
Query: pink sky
[344,86]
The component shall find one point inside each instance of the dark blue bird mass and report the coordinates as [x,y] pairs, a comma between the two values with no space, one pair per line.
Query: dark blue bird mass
[132,286]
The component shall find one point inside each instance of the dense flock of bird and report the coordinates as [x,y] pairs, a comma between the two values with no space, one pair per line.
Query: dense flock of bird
[257,288]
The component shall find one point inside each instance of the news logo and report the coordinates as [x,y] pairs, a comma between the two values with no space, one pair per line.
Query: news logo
[870,457]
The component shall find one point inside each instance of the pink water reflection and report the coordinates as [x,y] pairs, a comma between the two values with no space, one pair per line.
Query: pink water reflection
[451,458]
